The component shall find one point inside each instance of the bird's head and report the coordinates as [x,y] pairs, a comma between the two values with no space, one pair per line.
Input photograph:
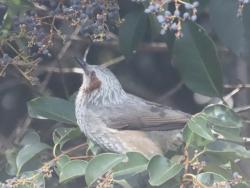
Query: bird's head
[100,84]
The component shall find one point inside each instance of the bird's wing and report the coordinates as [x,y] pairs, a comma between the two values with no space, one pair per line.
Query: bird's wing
[145,115]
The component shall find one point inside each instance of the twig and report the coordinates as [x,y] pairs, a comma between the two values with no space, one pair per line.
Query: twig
[227,86]
[63,70]
[20,130]
[4,143]
[145,47]
[171,92]
[195,181]
[113,61]
[4,69]
[186,161]
[72,149]
[61,54]
[79,70]
[232,93]
[242,109]
[45,169]
[86,54]
[59,57]
[62,79]
[81,157]
[68,43]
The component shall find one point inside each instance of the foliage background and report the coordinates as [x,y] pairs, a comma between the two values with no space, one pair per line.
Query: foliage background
[164,70]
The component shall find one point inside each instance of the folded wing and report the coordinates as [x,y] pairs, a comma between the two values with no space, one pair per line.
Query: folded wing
[141,115]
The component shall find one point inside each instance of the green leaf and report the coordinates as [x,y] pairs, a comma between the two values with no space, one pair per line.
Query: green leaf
[72,98]
[122,183]
[199,125]
[10,155]
[61,162]
[193,139]
[62,135]
[93,148]
[72,169]
[136,163]
[225,123]
[222,116]
[219,157]
[52,108]
[228,27]
[27,153]
[228,135]
[246,18]
[209,178]
[132,31]
[222,151]
[100,165]
[226,173]
[197,61]
[161,170]
[30,137]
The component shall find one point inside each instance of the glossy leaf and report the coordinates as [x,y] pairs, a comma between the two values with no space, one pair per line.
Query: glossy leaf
[93,148]
[61,162]
[226,151]
[27,153]
[100,165]
[218,170]
[52,108]
[30,137]
[72,98]
[224,122]
[196,59]
[228,135]
[62,135]
[219,157]
[132,31]
[222,116]
[228,27]
[191,138]
[136,163]
[10,155]
[209,178]
[246,18]
[72,169]
[199,125]
[161,170]
[122,183]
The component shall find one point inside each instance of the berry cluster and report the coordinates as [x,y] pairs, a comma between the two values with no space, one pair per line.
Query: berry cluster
[33,33]
[50,18]
[96,17]
[170,13]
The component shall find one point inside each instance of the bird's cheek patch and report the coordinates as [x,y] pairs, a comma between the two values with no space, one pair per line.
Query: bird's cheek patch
[95,83]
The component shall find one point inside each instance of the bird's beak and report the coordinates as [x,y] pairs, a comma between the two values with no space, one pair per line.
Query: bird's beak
[82,64]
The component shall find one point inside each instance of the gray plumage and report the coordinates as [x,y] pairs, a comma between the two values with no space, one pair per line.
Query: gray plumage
[121,122]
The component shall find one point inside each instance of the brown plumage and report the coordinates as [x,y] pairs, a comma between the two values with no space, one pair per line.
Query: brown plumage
[121,122]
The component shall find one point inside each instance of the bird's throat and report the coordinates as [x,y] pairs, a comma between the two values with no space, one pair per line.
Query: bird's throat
[99,96]
[94,84]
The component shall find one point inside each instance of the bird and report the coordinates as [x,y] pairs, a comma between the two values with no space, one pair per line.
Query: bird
[121,122]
